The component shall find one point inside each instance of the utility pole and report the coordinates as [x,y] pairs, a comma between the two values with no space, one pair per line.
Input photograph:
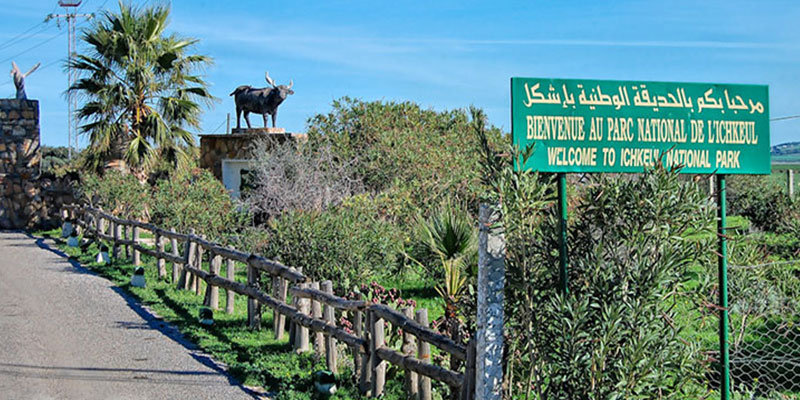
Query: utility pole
[70,15]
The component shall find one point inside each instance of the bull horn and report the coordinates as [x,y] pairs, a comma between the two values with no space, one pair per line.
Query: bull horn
[269,80]
[291,83]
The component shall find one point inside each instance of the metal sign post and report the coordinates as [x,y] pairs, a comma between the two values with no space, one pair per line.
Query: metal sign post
[724,362]
[562,238]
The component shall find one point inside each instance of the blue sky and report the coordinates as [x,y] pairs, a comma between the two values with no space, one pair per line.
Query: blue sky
[441,54]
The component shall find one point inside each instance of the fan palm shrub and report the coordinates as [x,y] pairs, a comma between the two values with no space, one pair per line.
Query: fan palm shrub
[142,90]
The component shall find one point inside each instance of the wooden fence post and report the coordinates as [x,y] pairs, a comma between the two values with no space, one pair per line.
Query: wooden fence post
[378,366]
[253,308]
[424,355]
[358,322]
[176,268]
[330,318]
[230,273]
[281,288]
[363,323]
[468,388]
[126,251]
[160,264]
[410,349]
[137,257]
[292,326]
[212,292]
[117,235]
[98,224]
[188,257]
[316,313]
[301,332]
[711,185]
[196,281]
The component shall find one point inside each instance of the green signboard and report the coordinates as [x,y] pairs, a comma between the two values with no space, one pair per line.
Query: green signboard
[628,126]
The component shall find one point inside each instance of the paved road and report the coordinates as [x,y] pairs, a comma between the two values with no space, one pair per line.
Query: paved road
[68,334]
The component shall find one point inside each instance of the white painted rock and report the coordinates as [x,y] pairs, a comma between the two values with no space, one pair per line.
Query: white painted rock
[102,257]
[67,229]
[137,280]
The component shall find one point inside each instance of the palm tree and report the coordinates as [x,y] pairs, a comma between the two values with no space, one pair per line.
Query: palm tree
[141,89]
[448,240]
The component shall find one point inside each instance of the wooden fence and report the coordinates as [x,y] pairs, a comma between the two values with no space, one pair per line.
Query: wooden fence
[313,308]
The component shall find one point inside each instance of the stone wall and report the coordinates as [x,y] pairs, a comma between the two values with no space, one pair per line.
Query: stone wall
[19,148]
[215,148]
[29,200]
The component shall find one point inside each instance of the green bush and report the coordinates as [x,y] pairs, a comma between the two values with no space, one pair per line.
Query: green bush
[118,193]
[761,199]
[410,157]
[348,245]
[612,335]
[449,233]
[195,200]
[785,246]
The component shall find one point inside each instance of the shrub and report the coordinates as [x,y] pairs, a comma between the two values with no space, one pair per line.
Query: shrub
[347,245]
[448,233]
[414,156]
[761,199]
[291,178]
[196,200]
[118,193]
[611,336]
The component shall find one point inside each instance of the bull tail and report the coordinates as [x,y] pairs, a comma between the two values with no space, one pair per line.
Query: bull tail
[240,89]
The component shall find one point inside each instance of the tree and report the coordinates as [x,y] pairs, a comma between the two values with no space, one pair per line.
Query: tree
[142,89]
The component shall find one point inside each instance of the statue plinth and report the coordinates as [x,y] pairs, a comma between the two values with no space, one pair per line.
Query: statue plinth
[250,131]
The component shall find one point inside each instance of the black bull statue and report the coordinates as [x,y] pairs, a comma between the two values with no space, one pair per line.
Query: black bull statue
[260,100]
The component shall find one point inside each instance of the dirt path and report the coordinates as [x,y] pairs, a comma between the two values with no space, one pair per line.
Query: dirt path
[68,334]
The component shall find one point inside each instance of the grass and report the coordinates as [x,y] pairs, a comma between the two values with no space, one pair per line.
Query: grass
[254,357]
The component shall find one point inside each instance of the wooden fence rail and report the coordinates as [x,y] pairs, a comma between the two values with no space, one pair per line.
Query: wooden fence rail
[314,307]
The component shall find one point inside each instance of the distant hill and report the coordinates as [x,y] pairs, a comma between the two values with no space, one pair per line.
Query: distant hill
[786,153]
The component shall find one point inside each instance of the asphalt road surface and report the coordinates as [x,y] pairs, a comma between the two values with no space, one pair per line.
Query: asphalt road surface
[68,334]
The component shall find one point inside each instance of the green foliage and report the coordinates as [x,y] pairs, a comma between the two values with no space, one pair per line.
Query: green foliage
[115,192]
[409,155]
[611,336]
[54,158]
[763,201]
[195,200]
[141,88]
[784,246]
[347,244]
[449,233]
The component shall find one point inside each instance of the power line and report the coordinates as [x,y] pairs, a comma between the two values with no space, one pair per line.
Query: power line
[219,126]
[784,118]
[40,44]
[22,36]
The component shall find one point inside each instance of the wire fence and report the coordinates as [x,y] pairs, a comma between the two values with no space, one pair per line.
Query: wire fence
[764,337]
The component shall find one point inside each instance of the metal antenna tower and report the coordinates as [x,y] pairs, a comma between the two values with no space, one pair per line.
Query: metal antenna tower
[70,15]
